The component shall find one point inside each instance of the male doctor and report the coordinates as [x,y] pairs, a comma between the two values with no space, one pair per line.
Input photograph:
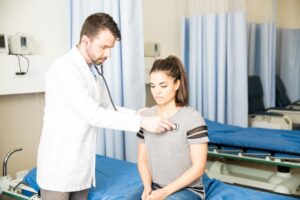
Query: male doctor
[76,104]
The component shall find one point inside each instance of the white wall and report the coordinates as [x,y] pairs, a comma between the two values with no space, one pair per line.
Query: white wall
[21,115]
[46,21]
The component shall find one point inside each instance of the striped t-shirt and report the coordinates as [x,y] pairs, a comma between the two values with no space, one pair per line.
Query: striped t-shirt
[169,153]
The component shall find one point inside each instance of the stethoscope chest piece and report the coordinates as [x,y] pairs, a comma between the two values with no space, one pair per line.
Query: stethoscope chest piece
[175,129]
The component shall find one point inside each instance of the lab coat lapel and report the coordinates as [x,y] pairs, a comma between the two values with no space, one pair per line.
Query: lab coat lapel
[93,85]
[83,67]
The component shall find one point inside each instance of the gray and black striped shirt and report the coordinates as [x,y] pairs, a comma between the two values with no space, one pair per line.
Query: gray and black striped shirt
[169,153]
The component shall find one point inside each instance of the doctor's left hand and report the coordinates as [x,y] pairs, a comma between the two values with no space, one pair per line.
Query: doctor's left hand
[159,194]
[156,125]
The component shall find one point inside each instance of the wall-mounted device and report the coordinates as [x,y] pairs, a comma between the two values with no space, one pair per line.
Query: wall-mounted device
[3,44]
[152,50]
[21,44]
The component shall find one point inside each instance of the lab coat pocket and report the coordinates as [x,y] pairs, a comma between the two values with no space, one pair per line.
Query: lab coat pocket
[75,157]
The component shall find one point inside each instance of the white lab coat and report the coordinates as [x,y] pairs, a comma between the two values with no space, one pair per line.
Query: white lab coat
[74,108]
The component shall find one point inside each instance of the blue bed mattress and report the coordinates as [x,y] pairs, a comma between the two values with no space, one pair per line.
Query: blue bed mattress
[119,180]
[280,141]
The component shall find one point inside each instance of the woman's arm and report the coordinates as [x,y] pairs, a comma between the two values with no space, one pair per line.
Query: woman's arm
[198,154]
[144,170]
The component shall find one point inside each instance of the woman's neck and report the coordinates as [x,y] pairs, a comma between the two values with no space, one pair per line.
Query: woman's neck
[167,111]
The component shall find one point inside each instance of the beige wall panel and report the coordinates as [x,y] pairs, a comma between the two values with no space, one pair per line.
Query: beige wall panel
[20,126]
[288,14]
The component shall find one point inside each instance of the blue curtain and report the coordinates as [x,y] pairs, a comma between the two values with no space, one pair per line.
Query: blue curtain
[288,61]
[262,57]
[215,56]
[124,71]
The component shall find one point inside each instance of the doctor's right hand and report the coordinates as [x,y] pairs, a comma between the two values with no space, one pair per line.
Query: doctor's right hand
[156,125]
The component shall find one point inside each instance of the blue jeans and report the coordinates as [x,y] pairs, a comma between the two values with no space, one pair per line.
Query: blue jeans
[183,194]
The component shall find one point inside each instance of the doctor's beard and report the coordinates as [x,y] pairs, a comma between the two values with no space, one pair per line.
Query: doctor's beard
[93,58]
[99,61]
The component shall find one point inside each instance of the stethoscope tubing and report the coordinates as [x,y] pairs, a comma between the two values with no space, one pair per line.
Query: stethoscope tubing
[102,75]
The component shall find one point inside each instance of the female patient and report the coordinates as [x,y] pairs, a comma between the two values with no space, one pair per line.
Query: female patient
[171,164]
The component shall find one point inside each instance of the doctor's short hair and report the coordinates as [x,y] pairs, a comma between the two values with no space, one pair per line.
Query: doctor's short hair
[174,68]
[97,22]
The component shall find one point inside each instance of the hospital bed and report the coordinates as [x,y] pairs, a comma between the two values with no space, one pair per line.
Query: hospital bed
[119,180]
[232,146]
[282,99]
[275,118]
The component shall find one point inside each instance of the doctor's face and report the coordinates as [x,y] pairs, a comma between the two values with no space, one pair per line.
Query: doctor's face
[163,87]
[98,49]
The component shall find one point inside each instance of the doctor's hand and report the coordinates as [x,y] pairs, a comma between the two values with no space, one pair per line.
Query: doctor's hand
[156,125]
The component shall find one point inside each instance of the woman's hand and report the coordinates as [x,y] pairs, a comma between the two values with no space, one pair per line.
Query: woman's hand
[146,193]
[159,194]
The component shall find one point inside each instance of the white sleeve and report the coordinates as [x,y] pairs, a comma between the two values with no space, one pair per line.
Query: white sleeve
[126,110]
[73,89]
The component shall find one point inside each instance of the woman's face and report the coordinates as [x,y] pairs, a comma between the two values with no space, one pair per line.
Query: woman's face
[163,88]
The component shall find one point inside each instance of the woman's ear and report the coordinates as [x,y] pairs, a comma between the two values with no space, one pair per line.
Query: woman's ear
[177,84]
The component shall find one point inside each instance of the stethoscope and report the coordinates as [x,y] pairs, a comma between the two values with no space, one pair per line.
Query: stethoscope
[100,72]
